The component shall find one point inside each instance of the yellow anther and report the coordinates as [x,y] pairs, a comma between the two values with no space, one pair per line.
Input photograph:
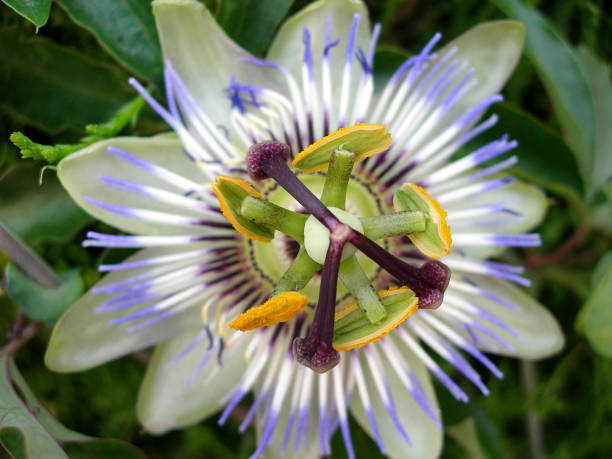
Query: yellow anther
[355,331]
[280,308]
[436,240]
[364,140]
[231,192]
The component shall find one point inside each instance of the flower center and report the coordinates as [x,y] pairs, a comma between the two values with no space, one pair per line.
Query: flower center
[273,259]
[316,235]
[329,236]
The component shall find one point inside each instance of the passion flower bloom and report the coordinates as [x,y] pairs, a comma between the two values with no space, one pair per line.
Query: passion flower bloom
[220,247]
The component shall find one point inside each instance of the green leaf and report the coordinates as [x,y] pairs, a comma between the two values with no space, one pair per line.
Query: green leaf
[564,81]
[34,440]
[595,318]
[35,11]
[465,434]
[54,87]
[75,444]
[37,212]
[598,74]
[52,425]
[602,217]
[543,155]
[41,303]
[30,264]
[602,212]
[102,448]
[456,413]
[13,442]
[126,28]
[252,23]
[603,266]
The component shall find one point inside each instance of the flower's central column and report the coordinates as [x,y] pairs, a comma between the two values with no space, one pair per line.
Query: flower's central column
[323,235]
[269,160]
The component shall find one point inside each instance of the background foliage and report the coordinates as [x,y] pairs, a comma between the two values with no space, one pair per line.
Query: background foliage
[64,66]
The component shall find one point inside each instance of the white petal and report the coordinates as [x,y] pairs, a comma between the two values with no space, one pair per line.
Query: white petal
[203,55]
[82,339]
[493,50]
[172,397]
[425,436]
[80,175]
[539,334]
[287,48]
[273,450]
[519,197]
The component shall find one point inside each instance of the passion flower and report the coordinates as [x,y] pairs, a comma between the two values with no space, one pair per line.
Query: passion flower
[188,203]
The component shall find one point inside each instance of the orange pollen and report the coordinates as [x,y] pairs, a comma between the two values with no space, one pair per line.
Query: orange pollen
[280,308]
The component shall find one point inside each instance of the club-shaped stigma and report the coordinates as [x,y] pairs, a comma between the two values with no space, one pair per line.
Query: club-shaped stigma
[263,155]
[269,160]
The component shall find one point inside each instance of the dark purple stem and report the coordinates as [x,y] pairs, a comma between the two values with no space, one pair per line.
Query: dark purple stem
[428,281]
[380,256]
[316,350]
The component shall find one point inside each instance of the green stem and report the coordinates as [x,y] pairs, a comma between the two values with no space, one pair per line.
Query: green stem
[391,225]
[336,182]
[55,153]
[122,117]
[273,216]
[27,260]
[358,284]
[298,274]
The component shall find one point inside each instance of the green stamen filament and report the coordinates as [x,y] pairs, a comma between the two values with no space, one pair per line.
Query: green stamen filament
[358,284]
[298,274]
[336,182]
[391,225]
[275,217]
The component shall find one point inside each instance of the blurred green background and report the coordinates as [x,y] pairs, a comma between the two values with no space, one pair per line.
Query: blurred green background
[71,71]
